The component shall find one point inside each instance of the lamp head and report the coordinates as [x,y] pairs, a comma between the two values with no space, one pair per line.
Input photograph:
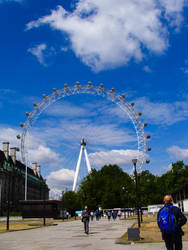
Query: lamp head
[134,161]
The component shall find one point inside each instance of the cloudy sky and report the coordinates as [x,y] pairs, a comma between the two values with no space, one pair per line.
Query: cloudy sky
[137,47]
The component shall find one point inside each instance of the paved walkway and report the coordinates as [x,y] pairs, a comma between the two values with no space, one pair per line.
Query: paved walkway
[70,236]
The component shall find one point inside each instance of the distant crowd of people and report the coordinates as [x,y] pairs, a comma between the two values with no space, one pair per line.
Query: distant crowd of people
[98,214]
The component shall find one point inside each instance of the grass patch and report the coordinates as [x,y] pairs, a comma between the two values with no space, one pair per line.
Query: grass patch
[149,231]
[26,224]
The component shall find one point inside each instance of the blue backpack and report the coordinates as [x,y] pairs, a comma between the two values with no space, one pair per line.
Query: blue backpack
[167,220]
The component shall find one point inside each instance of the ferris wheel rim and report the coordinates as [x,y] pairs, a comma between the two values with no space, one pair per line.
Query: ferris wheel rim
[93,90]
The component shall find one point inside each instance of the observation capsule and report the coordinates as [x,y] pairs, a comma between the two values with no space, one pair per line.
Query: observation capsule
[139,113]
[54,90]
[101,85]
[113,90]
[89,83]
[27,114]
[21,125]
[132,104]
[18,137]
[149,148]
[65,85]
[43,96]
[77,83]
[147,161]
[35,104]
[123,96]
[148,136]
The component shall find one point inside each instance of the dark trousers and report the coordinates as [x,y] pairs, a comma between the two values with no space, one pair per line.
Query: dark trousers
[173,242]
[86,226]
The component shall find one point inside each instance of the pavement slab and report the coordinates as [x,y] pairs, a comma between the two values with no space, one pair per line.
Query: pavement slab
[71,236]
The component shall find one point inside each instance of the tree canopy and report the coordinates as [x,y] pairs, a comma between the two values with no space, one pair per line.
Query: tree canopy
[111,187]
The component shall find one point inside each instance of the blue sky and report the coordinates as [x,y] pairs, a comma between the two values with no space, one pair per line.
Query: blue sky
[137,47]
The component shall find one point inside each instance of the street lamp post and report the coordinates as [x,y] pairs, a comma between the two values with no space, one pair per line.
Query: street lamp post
[8,201]
[141,218]
[44,207]
[127,203]
[134,161]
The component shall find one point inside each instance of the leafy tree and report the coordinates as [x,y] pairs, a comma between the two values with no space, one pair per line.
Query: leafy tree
[105,188]
[174,178]
[148,189]
[71,202]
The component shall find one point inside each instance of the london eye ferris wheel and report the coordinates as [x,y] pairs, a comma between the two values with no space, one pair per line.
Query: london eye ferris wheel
[111,96]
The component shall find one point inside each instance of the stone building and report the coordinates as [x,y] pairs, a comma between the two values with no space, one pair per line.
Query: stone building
[12,181]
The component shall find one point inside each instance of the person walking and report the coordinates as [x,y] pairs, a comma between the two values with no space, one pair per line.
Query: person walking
[97,215]
[92,215]
[85,219]
[119,214]
[170,219]
[109,215]
[114,215]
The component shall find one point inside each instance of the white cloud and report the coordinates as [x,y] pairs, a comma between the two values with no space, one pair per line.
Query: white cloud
[178,153]
[122,158]
[60,180]
[55,194]
[99,123]
[147,69]
[185,68]
[9,135]
[35,146]
[64,49]
[162,113]
[44,156]
[67,109]
[38,51]
[107,33]
[95,134]
[170,166]
[173,11]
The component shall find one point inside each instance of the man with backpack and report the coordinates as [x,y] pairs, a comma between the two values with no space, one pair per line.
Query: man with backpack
[170,219]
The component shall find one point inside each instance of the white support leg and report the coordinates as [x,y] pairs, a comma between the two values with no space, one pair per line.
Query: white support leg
[87,161]
[77,170]
[25,182]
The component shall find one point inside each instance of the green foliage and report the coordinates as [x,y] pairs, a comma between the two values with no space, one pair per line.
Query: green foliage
[71,202]
[154,188]
[148,188]
[111,187]
[107,188]
[174,178]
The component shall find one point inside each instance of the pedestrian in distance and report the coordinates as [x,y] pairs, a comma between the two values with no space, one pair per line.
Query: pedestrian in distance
[92,215]
[67,215]
[119,214]
[85,219]
[170,219]
[97,215]
[114,215]
[109,215]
